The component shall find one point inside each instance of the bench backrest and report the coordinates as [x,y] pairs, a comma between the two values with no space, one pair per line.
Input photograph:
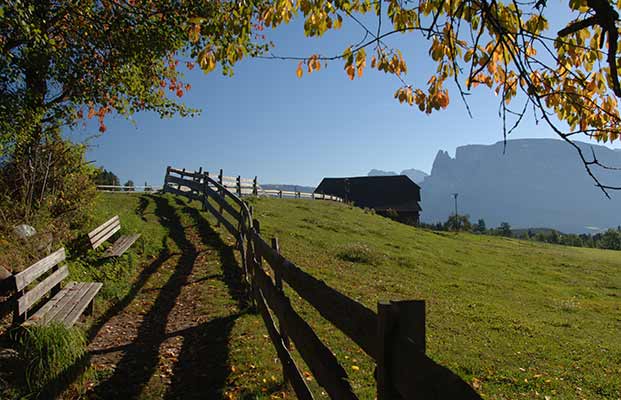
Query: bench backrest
[104,231]
[26,299]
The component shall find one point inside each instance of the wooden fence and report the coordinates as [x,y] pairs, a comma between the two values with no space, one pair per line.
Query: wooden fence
[394,336]
[128,189]
[250,186]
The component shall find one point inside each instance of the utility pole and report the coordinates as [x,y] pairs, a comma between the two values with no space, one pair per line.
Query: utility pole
[455,196]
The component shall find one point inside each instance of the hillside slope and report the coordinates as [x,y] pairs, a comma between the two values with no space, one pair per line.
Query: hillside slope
[517,319]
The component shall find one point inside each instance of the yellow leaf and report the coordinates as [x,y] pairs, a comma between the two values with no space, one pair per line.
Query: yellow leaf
[355,367]
[299,71]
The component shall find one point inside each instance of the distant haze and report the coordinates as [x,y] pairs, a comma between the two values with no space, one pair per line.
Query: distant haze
[414,174]
[536,183]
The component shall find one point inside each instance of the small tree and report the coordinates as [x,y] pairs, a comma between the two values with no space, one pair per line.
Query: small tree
[105,177]
[480,227]
[505,229]
[611,239]
[458,223]
[129,186]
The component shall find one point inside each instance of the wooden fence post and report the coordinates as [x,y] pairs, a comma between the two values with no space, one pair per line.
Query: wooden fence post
[205,186]
[396,319]
[255,189]
[258,260]
[196,178]
[221,191]
[182,176]
[239,185]
[166,179]
[281,328]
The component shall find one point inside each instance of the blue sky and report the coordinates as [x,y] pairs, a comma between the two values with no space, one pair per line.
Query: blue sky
[265,121]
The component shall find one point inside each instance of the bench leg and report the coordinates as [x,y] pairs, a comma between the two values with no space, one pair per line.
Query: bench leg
[90,308]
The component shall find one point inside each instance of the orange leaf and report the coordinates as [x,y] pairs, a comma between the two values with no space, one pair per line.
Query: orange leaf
[299,71]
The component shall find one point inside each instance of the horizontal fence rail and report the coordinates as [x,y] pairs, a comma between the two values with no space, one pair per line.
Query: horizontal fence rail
[129,189]
[394,336]
[243,186]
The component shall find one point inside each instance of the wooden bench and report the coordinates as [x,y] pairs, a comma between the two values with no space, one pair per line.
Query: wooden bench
[105,232]
[66,304]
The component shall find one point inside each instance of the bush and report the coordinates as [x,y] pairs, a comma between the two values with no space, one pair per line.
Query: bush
[48,353]
[359,253]
[56,198]
[458,223]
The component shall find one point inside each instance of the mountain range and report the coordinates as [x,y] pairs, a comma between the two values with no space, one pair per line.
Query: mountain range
[414,174]
[533,183]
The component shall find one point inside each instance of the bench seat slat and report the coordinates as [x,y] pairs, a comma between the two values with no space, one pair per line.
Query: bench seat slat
[67,306]
[121,245]
[87,294]
[37,269]
[64,305]
[50,308]
[32,296]
[102,227]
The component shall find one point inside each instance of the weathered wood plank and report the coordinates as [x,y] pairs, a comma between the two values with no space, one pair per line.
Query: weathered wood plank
[102,227]
[223,203]
[131,239]
[37,269]
[32,296]
[195,185]
[288,364]
[229,226]
[185,173]
[121,245]
[81,302]
[322,363]
[352,318]
[226,191]
[63,306]
[105,236]
[56,301]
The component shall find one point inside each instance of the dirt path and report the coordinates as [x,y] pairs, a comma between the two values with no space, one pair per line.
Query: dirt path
[169,337]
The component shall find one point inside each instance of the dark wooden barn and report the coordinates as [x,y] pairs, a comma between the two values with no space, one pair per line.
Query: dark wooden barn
[395,196]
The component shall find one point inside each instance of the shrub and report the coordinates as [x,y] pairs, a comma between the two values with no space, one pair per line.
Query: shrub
[48,353]
[359,253]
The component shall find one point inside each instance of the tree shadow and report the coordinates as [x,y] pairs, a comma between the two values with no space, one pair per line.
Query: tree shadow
[138,364]
[203,365]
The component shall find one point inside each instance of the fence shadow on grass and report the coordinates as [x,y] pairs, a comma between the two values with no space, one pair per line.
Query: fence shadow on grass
[232,274]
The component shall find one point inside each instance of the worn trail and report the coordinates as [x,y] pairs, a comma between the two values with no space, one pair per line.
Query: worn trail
[169,337]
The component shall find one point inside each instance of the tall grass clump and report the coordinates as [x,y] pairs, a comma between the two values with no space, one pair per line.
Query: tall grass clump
[359,253]
[49,353]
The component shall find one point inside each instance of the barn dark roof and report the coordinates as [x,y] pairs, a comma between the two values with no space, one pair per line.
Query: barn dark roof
[379,192]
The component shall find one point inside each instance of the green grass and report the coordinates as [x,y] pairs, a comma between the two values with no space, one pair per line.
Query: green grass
[47,352]
[116,273]
[518,319]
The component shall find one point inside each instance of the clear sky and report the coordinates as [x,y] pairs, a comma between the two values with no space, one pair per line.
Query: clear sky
[265,121]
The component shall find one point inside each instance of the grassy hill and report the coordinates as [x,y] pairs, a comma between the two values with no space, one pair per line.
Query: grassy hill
[516,319]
